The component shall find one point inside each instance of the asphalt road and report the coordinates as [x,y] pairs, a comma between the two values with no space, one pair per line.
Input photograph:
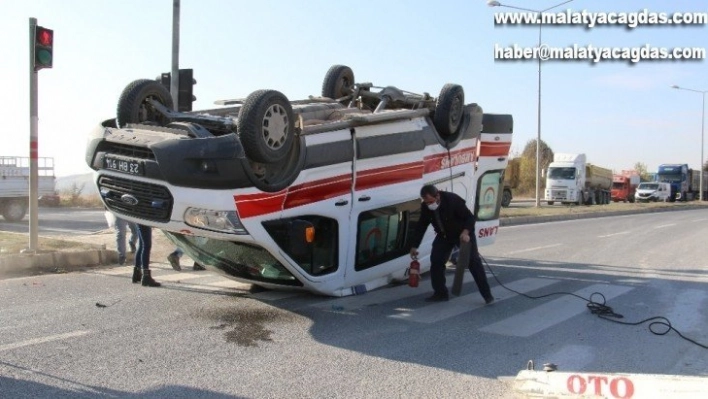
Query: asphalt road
[61,221]
[93,334]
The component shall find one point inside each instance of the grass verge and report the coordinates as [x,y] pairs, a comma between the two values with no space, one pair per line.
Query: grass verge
[13,243]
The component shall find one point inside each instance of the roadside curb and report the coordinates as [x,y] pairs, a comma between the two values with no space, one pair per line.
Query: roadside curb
[21,265]
[515,221]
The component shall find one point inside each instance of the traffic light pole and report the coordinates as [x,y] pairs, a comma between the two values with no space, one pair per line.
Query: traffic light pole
[174,82]
[34,147]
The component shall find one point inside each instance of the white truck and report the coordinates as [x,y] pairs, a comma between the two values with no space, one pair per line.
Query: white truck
[571,180]
[15,182]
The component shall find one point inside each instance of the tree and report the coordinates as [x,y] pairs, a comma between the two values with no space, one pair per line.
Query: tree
[643,171]
[527,169]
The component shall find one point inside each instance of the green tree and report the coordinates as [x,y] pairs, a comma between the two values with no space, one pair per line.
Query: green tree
[527,169]
[643,171]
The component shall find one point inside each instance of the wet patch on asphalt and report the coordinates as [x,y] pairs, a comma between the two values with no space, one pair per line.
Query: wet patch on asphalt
[245,327]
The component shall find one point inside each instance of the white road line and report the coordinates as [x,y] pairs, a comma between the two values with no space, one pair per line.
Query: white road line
[180,277]
[699,220]
[661,226]
[614,234]
[456,306]
[533,249]
[35,341]
[551,313]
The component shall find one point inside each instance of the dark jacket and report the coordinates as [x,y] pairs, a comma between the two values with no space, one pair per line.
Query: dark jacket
[454,215]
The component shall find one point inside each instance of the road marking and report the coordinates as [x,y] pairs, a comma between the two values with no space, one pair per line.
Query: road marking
[50,338]
[551,313]
[614,234]
[699,220]
[533,249]
[180,276]
[440,311]
[664,225]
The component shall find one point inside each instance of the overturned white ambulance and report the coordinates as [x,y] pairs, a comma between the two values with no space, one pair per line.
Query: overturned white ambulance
[319,194]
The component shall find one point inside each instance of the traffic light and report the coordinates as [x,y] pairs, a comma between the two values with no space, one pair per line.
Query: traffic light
[185,96]
[43,48]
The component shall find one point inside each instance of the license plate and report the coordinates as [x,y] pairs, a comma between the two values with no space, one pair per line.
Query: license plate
[124,166]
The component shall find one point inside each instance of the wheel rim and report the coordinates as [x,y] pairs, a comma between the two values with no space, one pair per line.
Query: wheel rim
[344,86]
[275,126]
[146,112]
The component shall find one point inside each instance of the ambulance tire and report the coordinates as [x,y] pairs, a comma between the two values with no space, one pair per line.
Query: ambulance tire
[506,198]
[338,82]
[134,108]
[277,176]
[449,110]
[266,126]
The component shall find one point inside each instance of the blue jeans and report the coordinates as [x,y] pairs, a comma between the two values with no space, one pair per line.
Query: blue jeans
[142,255]
[121,229]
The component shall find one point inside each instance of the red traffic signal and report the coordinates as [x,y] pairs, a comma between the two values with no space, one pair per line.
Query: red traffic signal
[43,48]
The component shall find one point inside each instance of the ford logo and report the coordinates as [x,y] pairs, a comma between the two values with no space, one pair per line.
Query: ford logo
[129,199]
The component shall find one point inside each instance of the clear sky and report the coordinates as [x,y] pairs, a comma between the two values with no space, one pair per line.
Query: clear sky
[615,112]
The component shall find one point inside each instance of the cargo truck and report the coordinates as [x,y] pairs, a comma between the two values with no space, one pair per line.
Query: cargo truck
[14,185]
[685,182]
[570,179]
[624,185]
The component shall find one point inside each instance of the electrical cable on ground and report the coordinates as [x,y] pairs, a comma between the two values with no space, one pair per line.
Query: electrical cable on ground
[606,312]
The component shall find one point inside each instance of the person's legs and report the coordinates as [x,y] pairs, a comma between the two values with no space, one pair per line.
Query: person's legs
[174,257]
[120,228]
[133,236]
[144,248]
[438,257]
[477,270]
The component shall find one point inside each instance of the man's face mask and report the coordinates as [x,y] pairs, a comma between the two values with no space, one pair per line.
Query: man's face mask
[432,205]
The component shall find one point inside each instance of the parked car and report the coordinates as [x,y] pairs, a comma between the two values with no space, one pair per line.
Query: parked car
[653,191]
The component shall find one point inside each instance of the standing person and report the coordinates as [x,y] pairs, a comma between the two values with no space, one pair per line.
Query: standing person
[141,271]
[174,258]
[453,223]
[121,227]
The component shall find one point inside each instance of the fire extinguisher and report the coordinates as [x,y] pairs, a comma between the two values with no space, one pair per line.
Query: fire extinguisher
[414,273]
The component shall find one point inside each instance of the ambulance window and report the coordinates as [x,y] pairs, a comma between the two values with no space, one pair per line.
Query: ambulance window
[489,190]
[317,257]
[384,234]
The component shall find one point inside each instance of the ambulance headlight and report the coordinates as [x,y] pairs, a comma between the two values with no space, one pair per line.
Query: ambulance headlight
[221,221]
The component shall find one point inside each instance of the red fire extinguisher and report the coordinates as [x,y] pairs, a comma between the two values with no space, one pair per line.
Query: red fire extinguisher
[414,273]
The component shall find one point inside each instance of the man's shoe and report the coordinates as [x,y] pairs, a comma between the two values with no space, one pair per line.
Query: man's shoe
[197,266]
[437,298]
[174,261]
[489,300]
[137,275]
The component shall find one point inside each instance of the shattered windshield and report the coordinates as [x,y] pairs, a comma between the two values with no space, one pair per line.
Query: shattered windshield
[234,258]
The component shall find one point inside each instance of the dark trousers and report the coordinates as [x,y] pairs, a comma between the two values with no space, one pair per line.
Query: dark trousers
[442,248]
[142,255]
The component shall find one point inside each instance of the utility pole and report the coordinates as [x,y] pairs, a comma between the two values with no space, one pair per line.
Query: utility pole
[174,81]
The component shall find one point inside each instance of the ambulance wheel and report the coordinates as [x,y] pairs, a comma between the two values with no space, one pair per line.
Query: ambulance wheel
[266,126]
[14,210]
[338,82]
[448,110]
[133,105]
[551,202]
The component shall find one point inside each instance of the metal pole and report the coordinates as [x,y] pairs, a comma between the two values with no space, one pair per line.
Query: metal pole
[538,127]
[174,81]
[703,123]
[34,145]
